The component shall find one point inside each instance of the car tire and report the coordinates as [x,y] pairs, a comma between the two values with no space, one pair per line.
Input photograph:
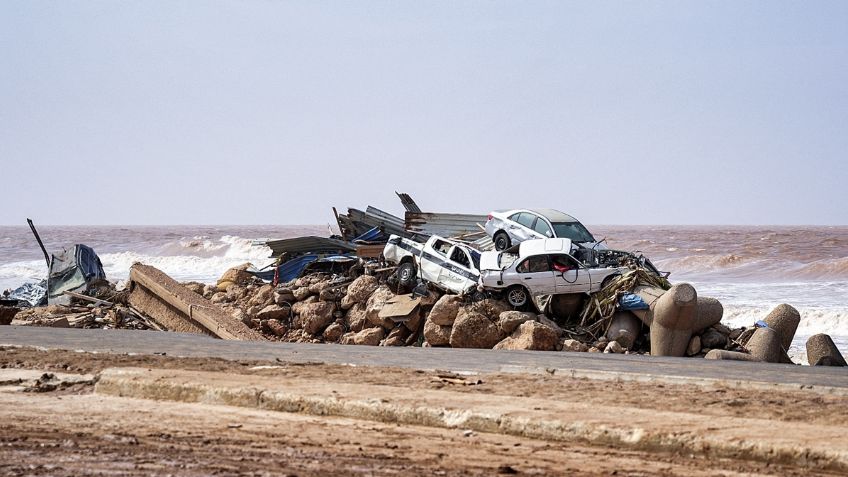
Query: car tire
[517,296]
[406,273]
[502,241]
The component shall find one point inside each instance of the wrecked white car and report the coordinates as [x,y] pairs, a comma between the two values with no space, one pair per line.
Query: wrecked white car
[445,263]
[542,267]
[511,227]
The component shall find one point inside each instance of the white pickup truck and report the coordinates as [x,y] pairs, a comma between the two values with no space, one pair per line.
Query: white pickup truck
[445,263]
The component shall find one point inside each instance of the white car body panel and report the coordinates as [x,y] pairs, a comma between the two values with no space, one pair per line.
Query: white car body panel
[498,271]
[518,233]
[433,265]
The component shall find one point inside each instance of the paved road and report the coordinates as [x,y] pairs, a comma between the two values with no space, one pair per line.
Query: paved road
[594,365]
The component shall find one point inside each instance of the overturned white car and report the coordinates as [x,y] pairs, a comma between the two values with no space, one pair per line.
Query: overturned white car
[543,267]
[445,263]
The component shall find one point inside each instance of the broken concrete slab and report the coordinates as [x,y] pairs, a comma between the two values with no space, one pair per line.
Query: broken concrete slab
[179,309]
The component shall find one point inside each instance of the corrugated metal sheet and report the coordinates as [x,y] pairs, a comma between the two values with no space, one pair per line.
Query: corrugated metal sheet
[309,244]
[467,226]
[407,202]
[372,235]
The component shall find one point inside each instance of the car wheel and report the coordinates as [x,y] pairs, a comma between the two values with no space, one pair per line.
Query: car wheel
[502,241]
[406,273]
[517,296]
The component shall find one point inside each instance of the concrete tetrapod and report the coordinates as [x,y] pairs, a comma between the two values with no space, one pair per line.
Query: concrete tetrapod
[729,355]
[765,344]
[674,315]
[784,319]
[624,328]
[822,351]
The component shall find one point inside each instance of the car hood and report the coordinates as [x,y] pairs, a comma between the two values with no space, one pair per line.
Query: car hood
[489,261]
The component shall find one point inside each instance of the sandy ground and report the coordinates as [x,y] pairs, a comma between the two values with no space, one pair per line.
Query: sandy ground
[75,432]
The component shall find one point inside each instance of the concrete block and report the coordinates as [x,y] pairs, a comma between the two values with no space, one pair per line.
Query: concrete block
[822,351]
[765,345]
[784,319]
[730,355]
[624,328]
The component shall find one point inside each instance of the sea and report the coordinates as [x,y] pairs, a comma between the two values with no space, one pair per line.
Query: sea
[750,269]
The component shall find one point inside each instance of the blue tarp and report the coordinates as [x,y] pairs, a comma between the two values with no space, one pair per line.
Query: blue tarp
[631,301]
[373,235]
[294,268]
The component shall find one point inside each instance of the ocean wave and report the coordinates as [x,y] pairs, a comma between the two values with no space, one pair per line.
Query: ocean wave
[197,258]
[739,266]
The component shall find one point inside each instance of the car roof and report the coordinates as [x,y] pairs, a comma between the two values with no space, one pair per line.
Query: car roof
[543,246]
[552,215]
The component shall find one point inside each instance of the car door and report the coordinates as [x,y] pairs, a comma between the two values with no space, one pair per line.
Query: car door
[433,259]
[536,274]
[520,227]
[456,274]
[569,275]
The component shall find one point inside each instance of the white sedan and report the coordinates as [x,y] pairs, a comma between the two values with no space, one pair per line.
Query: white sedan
[511,227]
[542,267]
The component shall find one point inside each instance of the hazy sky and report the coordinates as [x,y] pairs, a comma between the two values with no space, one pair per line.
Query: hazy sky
[265,112]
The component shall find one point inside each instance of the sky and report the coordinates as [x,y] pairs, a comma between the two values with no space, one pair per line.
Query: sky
[272,112]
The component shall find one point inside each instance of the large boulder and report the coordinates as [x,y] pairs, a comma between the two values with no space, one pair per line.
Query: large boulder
[375,303]
[359,290]
[531,335]
[508,321]
[436,335]
[301,293]
[397,337]
[272,312]
[284,295]
[355,318]
[445,310]
[235,276]
[369,337]
[333,333]
[490,308]
[713,339]
[474,330]
[314,317]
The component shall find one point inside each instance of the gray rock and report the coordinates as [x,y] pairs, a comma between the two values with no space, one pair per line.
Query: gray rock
[713,339]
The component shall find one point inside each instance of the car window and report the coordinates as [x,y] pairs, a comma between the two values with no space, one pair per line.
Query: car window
[514,217]
[563,262]
[535,264]
[526,219]
[442,247]
[458,255]
[573,230]
[543,228]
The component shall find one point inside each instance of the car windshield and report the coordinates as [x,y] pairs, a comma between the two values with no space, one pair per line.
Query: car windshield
[573,230]
[506,259]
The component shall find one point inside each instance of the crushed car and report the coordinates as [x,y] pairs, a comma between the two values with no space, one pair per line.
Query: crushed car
[445,263]
[543,267]
[511,227]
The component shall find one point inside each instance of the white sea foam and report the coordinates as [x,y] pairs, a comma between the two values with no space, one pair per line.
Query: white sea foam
[200,258]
